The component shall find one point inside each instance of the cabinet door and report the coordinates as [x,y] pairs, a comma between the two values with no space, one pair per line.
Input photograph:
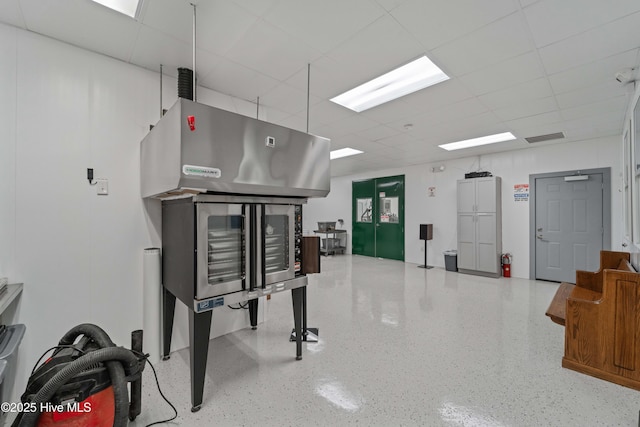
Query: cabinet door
[466,241]
[466,195]
[487,256]
[485,194]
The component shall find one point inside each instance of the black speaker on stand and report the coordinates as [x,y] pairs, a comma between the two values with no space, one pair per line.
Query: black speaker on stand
[426,233]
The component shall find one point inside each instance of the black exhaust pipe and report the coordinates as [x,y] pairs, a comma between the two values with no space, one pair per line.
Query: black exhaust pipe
[185,83]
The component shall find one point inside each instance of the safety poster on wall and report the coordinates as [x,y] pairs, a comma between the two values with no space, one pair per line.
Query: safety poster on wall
[521,192]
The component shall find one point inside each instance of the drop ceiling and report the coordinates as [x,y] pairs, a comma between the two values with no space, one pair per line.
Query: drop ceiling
[528,67]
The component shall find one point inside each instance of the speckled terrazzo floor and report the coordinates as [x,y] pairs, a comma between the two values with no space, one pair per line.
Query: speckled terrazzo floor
[399,346]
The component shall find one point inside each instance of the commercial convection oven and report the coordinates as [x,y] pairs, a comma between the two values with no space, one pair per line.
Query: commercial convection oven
[232,190]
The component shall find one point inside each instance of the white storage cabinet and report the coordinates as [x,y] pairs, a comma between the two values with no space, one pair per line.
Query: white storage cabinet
[480,226]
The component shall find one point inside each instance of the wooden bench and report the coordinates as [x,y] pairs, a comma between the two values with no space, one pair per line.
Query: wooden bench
[601,315]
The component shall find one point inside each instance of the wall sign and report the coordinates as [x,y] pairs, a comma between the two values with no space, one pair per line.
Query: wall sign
[521,193]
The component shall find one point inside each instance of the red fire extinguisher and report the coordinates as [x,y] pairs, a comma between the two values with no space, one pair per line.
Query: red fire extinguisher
[506,265]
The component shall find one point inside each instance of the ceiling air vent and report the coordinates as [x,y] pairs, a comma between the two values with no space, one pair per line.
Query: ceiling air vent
[548,137]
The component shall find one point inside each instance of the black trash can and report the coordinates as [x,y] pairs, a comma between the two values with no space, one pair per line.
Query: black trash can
[451,260]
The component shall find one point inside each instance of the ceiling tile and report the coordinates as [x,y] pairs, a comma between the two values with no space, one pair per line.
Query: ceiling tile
[288,99]
[317,128]
[272,115]
[377,133]
[435,97]
[357,142]
[530,108]
[517,94]
[593,73]
[592,123]
[271,51]
[296,122]
[324,77]
[231,78]
[375,50]
[525,125]
[372,158]
[552,20]
[389,5]
[85,24]
[435,23]
[221,24]
[173,18]
[343,19]
[455,113]
[393,111]
[10,13]
[505,74]
[352,124]
[497,42]
[586,134]
[215,99]
[258,8]
[601,92]
[154,48]
[600,42]
[613,106]
[328,112]
[586,129]
[470,127]
[399,140]
[390,153]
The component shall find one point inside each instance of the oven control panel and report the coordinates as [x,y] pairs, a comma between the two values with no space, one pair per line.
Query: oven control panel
[298,239]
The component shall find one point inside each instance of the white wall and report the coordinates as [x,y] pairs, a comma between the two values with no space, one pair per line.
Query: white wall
[513,166]
[63,110]
[7,150]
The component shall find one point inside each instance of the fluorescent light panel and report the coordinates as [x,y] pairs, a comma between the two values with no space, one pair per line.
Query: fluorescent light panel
[127,7]
[402,81]
[344,152]
[475,142]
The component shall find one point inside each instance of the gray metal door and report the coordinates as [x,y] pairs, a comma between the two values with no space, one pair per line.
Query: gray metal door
[569,226]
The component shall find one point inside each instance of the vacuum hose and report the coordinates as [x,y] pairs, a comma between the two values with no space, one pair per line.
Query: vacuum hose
[121,364]
[120,392]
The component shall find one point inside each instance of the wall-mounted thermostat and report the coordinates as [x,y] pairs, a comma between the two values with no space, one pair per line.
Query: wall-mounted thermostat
[270,141]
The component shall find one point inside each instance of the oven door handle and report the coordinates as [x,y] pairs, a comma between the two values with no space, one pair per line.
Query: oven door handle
[244,251]
[263,245]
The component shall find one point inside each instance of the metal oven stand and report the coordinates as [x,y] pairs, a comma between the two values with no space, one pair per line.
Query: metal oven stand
[200,328]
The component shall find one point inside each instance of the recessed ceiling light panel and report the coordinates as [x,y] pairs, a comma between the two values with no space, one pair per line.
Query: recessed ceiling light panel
[402,81]
[127,7]
[344,152]
[475,142]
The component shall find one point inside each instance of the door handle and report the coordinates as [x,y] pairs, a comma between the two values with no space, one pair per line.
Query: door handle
[624,245]
[540,229]
[377,225]
[539,236]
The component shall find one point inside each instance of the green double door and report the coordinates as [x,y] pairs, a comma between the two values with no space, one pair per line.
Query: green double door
[378,217]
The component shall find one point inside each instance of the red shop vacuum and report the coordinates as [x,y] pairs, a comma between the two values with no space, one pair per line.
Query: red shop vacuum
[84,383]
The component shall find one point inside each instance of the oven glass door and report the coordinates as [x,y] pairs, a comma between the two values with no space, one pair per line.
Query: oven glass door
[278,243]
[221,249]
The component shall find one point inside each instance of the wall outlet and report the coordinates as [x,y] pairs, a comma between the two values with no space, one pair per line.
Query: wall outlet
[103,187]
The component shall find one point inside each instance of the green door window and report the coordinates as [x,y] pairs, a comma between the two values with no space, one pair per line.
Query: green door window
[364,210]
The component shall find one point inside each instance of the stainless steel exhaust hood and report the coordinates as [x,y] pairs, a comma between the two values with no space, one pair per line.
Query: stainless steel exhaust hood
[198,148]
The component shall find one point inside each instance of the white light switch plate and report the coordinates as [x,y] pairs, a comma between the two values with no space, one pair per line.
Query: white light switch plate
[103,187]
